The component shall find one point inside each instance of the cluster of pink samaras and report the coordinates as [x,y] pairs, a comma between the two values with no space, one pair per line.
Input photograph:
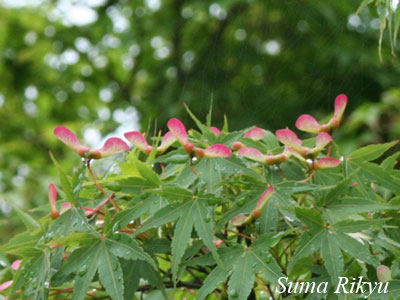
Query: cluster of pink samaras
[177,132]
[241,219]
[294,146]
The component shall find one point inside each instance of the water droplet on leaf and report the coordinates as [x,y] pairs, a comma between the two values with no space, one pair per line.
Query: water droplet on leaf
[83,271]
[241,202]
[233,293]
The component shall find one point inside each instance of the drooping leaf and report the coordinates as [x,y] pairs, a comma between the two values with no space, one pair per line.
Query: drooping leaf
[131,278]
[216,277]
[265,264]
[124,217]
[209,172]
[126,247]
[355,248]
[183,229]
[175,193]
[310,217]
[339,189]
[152,276]
[310,242]
[269,217]
[242,278]
[332,256]
[85,268]
[352,205]
[110,274]
[204,228]
[165,215]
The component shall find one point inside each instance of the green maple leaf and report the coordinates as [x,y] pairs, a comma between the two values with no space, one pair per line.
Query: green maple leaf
[192,213]
[101,256]
[242,265]
[332,256]
[331,241]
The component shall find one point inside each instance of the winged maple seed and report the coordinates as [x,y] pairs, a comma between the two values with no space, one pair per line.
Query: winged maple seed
[6,285]
[54,213]
[138,140]
[384,273]
[325,163]
[52,201]
[111,146]
[256,155]
[290,139]
[14,266]
[215,130]
[179,131]
[241,219]
[218,243]
[255,134]
[309,124]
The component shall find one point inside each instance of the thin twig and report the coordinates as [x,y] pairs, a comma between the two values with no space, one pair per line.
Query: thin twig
[287,247]
[309,177]
[171,285]
[99,187]
[280,171]
[191,167]
[330,149]
[194,275]
[100,205]
[240,234]
[57,292]
[270,292]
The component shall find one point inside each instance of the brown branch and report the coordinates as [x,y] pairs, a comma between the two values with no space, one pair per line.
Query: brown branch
[194,275]
[195,285]
[270,292]
[57,292]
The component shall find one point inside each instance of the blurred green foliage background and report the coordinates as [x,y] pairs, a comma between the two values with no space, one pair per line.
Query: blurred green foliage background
[104,67]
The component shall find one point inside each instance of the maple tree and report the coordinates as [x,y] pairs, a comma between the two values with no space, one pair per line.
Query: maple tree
[211,214]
